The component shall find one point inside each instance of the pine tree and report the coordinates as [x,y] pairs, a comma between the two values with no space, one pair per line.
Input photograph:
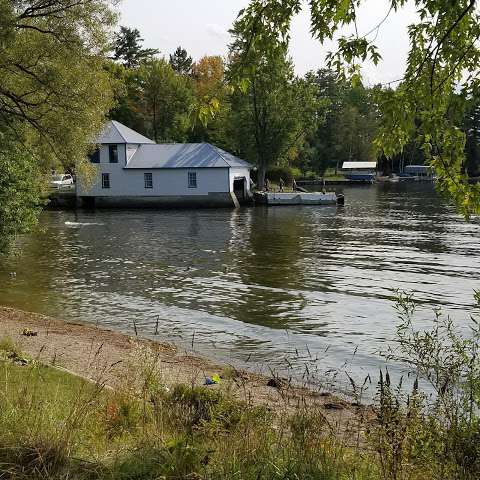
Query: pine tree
[128,48]
[181,62]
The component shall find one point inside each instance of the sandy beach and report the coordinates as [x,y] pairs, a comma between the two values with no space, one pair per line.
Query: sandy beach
[100,354]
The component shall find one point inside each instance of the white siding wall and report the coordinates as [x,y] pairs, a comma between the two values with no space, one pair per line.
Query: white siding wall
[114,169]
[125,182]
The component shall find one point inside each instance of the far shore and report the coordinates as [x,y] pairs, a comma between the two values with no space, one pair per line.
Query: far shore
[96,353]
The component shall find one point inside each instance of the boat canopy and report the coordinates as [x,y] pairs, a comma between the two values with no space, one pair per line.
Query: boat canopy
[359,165]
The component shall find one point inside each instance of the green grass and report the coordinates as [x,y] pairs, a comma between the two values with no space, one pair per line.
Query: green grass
[46,418]
[56,426]
[8,347]
[334,177]
[330,175]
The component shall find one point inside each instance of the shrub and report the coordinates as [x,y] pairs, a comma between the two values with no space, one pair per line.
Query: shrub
[8,348]
[209,409]
[296,172]
[274,174]
[437,433]
[122,414]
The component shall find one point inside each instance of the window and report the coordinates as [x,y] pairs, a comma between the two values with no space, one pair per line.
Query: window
[148,178]
[105,180]
[192,179]
[95,156]
[113,153]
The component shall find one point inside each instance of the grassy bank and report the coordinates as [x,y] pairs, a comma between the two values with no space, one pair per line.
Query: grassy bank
[54,425]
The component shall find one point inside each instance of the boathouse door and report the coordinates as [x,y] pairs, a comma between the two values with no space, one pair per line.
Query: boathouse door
[240,188]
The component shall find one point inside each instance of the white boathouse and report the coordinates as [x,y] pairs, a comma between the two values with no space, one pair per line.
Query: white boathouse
[134,171]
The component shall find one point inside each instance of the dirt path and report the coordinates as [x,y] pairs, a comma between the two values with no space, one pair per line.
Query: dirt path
[95,353]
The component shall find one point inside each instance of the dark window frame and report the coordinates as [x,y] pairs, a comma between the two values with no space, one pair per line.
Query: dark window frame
[192,180]
[105,180]
[113,153]
[148,180]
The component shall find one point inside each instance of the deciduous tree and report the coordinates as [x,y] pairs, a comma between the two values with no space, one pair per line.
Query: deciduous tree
[274,110]
[128,108]
[54,91]
[167,100]
[472,131]
[211,100]
[444,59]
[21,189]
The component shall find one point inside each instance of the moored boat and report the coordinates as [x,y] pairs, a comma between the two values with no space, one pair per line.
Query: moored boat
[361,172]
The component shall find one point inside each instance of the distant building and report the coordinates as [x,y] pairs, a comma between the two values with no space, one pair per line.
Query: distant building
[360,171]
[133,170]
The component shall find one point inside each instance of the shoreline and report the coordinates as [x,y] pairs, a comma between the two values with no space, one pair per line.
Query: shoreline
[90,351]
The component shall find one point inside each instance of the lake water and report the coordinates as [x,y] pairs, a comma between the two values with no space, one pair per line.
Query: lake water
[282,287]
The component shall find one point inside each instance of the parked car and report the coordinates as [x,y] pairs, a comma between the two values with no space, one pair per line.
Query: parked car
[61,181]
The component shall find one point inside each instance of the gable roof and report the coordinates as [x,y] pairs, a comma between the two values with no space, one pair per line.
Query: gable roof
[183,155]
[116,132]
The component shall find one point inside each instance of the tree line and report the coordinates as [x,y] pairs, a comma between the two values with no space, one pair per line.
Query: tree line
[284,124]
[63,72]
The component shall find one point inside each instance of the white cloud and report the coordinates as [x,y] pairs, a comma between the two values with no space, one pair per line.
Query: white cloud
[204,31]
[217,31]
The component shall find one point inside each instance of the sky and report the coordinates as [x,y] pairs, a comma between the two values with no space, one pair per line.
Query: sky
[201,27]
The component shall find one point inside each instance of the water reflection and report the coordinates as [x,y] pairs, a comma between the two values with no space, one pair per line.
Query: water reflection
[307,283]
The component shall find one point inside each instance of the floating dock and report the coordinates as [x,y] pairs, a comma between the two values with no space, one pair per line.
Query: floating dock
[299,198]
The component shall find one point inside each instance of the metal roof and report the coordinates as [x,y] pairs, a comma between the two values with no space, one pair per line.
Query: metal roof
[183,155]
[358,165]
[115,132]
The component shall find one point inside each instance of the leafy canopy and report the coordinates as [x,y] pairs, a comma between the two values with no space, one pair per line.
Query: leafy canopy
[351,122]
[274,110]
[211,109]
[20,190]
[165,98]
[51,75]
[441,74]
[54,93]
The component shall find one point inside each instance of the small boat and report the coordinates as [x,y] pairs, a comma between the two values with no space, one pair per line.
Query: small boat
[299,198]
[393,178]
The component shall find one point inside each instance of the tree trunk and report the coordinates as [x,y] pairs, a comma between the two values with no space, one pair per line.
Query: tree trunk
[262,172]
[155,132]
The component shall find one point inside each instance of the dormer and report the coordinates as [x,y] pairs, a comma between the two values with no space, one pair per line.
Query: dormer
[117,144]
